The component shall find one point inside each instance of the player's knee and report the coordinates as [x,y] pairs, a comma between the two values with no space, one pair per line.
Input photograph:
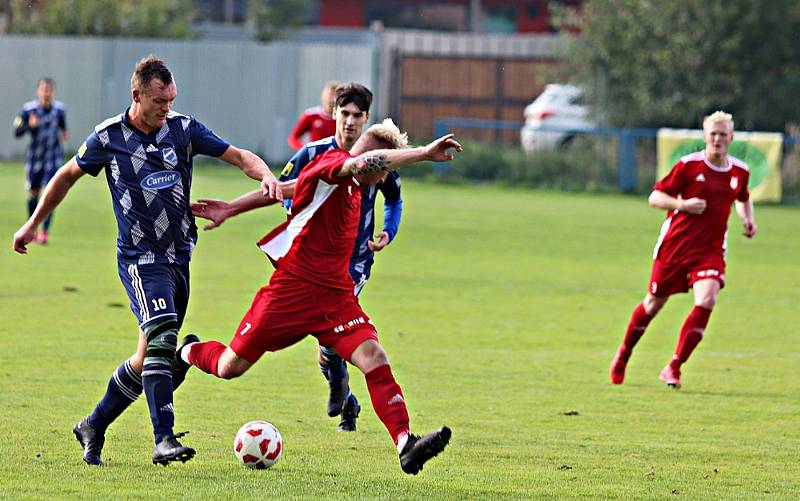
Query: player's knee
[369,355]
[137,361]
[652,304]
[707,301]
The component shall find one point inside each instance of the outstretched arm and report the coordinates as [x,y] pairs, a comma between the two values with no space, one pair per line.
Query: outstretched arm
[381,160]
[661,200]
[255,168]
[748,215]
[217,211]
[54,193]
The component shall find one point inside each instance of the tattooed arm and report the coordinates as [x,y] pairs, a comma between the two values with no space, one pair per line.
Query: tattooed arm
[383,160]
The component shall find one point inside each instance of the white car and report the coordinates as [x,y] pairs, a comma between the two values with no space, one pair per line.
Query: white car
[552,119]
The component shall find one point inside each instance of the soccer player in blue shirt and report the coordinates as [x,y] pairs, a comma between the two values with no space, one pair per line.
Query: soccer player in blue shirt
[353,101]
[45,119]
[146,153]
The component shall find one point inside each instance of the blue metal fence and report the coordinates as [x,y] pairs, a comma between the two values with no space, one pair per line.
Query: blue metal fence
[626,159]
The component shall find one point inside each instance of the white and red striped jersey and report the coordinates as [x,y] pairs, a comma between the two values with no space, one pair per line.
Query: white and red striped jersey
[687,236]
[317,240]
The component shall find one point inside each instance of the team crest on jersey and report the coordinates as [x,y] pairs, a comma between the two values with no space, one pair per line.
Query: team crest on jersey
[734,182]
[700,178]
[160,180]
[170,158]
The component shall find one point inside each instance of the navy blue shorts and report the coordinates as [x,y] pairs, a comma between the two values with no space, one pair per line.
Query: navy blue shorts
[360,272]
[156,291]
[35,180]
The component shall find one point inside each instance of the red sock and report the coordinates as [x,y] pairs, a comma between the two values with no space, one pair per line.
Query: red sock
[205,356]
[387,400]
[691,334]
[638,323]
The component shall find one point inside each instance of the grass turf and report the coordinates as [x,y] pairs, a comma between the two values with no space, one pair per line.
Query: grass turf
[500,310]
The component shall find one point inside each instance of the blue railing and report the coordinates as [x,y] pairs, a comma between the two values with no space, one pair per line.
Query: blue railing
[626,166]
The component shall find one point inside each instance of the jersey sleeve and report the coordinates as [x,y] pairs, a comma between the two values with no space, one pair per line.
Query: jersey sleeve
[21,123]
[392,204]
[674,182]
[204,141]
[329,164]
[62,120]
[295,165]
[744,193]
[91,156]
[302,126]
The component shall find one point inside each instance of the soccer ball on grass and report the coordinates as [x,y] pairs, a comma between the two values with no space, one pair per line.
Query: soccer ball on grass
[258,445]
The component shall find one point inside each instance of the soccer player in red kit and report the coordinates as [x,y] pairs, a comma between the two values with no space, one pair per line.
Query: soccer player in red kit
[317,121]
[311,291]
[690,252]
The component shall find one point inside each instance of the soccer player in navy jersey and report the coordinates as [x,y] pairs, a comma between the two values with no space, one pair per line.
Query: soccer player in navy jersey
[318,122]
[45,119]
[311,252]
[690,252]
[146,153]
[353,101]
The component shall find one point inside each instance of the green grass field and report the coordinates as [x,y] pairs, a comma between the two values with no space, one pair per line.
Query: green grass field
[500,310]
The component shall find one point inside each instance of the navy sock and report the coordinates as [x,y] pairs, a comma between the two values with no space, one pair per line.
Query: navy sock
[335,366]
[124,388]
[32,202]
[162,340]
[47,221]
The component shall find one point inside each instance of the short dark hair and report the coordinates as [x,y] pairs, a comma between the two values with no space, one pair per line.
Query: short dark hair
[353,93]
[148,69]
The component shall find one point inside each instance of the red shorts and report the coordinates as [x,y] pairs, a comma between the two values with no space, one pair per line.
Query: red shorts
[669,279]
[289,309]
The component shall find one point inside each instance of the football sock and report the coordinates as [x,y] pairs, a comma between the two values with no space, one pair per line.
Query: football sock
[32,202]
[636,327]
[124,388]
[47,221]
[691,334]
[333,367]
[205,356]
[402,440]
[387,400]
[162,340]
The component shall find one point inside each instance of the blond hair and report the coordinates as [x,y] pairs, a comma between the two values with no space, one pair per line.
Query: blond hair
[718,116]
[388,134]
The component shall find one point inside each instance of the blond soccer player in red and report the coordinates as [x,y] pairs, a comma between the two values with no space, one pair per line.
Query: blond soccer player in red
[690,252]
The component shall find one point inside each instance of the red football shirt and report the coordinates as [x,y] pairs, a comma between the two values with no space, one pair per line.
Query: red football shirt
[317,240]
[316,122]
[687,236]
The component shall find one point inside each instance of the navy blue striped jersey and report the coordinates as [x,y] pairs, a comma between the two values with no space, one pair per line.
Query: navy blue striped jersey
[362,259]
[149,176]
[44,151]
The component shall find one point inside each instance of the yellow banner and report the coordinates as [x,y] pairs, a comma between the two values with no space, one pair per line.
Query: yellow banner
[761,151]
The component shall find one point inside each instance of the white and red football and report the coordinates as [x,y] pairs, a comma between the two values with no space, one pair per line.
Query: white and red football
[258,445]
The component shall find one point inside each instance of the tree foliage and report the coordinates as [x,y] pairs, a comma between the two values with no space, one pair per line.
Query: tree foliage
[274,19]
[652,63]
[133,18]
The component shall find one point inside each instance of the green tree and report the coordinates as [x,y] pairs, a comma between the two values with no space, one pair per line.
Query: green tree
[274,19]
[137,18]
[651,63]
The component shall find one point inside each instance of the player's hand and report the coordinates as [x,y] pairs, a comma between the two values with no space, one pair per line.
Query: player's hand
[749,228]
[25,235]
[216,211]
[33,120]
[693,205]
[379,242]
[437,151]
[270,188]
